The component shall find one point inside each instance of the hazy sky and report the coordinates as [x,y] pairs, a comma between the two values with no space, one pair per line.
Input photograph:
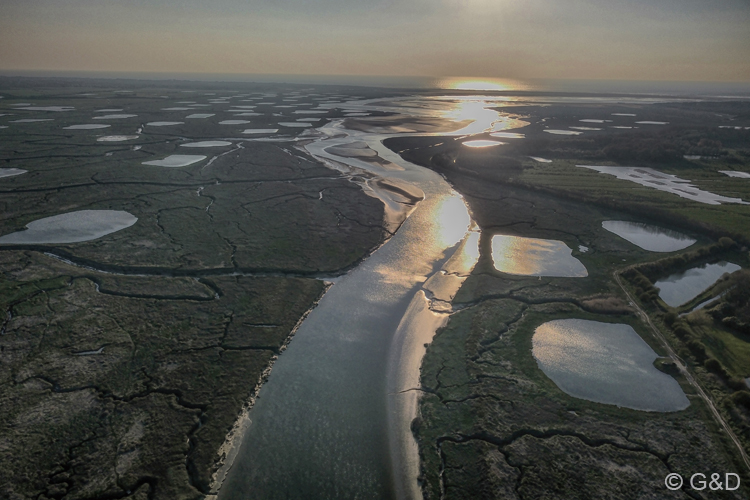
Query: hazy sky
[707,40]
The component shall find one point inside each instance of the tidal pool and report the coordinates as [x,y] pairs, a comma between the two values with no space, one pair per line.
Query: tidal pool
[683,287]
[86,126]
[481,144]
[590,120]
[664,182]
[71,227]
[605,363]
[200,115]
[172,161]
[652,123]
[648,237]
[206,144]
[32,120]
[10,172]
[295,124]
[623,114]
[540,160]
[535,257]
[233,122]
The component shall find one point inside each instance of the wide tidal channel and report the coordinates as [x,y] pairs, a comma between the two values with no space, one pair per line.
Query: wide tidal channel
[332,421]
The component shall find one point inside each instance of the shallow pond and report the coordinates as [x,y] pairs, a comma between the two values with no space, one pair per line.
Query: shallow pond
[562,132]
[86,126]
[176,161]
[664,182]
[206,144]
[163,124]
[606,363]
[680,288]
[71,227]
[734,173]
[10,172]
[648,237]
[535,257]
[113,117]
[260,131]
[116,138]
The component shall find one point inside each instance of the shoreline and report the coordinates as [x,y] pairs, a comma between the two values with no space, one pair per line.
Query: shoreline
[230,448]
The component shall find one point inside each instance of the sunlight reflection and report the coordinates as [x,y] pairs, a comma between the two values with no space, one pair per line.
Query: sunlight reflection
[481,144]
[469,254]
[452,221]
[484,119]
[534,257]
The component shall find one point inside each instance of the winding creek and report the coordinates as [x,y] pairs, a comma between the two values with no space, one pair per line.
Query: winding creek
[334,416]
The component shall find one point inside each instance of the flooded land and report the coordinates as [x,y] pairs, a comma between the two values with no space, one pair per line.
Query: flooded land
[352,292]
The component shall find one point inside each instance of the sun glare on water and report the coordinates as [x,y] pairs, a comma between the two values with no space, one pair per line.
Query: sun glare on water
[483,84]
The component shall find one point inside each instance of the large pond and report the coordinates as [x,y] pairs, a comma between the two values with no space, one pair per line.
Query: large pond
[683,287]
[535,257]
[606,363]
[648,237]
[71,227]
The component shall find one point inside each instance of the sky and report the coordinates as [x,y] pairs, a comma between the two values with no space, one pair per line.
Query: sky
[677,40]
